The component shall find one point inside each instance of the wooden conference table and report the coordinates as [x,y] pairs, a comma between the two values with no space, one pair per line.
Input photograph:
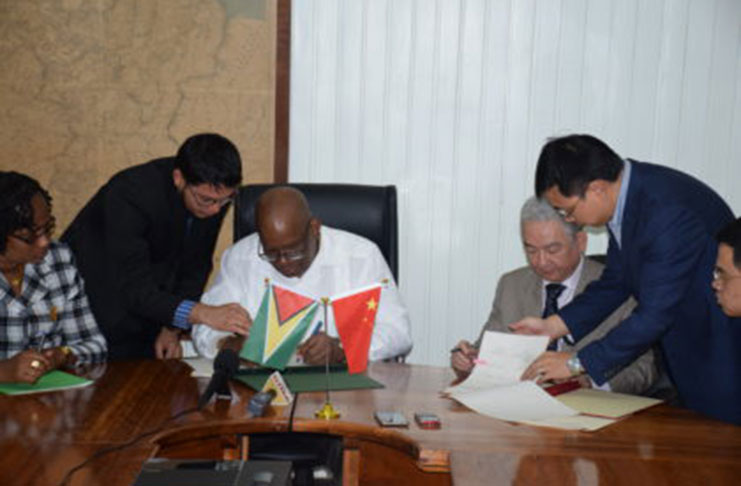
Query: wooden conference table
[43,435]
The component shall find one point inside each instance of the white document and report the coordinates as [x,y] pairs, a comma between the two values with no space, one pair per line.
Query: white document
[518,402]
[503,357]
[494,387]
[202,367]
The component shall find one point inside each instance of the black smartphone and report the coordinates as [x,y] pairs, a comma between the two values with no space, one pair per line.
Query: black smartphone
[391,419]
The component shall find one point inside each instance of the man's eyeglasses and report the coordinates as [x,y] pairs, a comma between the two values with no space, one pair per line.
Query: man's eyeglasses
[207,202]
[721,276]
[37,233]
[568,213]
[286,255]
[291,255]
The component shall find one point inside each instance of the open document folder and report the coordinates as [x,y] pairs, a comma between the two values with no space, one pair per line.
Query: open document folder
[494,389]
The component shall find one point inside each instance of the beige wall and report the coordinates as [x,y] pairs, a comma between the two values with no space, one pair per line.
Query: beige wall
[89,87]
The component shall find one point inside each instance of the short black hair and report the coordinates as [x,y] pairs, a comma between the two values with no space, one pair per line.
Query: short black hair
[16,212]
[731,236]
[570,163]
[209,158]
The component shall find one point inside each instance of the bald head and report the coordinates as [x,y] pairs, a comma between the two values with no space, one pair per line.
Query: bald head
[288,233]
[282,208]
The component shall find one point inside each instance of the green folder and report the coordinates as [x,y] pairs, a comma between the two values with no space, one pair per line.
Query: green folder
[51,381]
[309,378]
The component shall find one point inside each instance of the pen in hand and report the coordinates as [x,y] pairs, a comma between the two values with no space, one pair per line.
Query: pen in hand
[469,352]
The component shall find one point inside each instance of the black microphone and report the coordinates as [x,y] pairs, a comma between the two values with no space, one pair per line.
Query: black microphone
[259,402]
[226,365]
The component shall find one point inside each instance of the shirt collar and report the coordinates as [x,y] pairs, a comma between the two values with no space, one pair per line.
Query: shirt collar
[573,280]
[615,224]
[34,285]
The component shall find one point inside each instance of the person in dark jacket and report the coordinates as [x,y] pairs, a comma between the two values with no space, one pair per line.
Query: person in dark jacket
[662,225]
[144,245]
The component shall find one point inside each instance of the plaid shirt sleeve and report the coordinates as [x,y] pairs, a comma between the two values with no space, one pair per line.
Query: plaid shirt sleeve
[76,321]
[70,321]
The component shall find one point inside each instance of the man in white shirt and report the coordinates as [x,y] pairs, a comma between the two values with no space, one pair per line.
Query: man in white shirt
[291,248]
[557,271]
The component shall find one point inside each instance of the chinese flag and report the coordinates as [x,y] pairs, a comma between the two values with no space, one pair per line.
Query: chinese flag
[354,316]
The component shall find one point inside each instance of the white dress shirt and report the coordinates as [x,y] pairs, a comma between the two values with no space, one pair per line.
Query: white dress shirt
[344,262]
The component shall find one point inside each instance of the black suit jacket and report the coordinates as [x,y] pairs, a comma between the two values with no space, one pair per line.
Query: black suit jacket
[139,255]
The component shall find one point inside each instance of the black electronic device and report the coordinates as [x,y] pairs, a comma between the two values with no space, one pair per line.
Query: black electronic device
[259,402]
[195,472]
[226,365]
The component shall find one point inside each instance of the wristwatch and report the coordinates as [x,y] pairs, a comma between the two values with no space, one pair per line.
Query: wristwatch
[574,365]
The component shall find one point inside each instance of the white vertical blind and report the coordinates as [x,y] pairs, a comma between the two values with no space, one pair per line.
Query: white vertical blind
[451,100]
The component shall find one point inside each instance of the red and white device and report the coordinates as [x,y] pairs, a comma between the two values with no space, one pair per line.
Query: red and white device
[426,420]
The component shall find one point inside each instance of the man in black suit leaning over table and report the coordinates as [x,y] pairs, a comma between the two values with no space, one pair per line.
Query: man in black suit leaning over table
[144,245]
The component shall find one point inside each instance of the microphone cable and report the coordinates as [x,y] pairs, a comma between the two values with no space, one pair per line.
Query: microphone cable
[124,445]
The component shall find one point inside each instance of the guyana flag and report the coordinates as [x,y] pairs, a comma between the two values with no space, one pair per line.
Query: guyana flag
[280,324]
[354,317]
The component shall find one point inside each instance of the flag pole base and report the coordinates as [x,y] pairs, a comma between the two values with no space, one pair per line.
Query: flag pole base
[327,412]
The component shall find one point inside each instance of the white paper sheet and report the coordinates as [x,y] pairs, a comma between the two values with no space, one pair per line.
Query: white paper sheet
[521,401]
[503,357]
[494,387]
[202,367]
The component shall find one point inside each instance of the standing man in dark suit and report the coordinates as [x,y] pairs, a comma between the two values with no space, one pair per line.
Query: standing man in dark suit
[144,245]
[557,271]
[662,250]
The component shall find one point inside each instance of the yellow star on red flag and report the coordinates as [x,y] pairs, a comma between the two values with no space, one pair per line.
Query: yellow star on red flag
[372,304]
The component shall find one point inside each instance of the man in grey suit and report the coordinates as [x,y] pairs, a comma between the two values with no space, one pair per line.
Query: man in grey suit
[557,271]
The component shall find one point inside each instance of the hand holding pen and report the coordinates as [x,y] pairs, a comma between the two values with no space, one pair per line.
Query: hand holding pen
[462,358]
[55,357]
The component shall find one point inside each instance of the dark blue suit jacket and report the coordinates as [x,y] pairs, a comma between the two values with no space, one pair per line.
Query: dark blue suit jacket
[665,261]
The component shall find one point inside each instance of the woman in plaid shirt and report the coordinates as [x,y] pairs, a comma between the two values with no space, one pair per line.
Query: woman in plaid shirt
[45,318]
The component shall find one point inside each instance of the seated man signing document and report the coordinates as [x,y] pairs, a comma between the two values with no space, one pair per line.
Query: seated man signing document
[292,249]
[556,272]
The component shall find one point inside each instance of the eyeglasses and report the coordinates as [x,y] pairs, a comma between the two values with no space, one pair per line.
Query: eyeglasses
[286,255]
[37,233]
[568,213]
[290,255]
[720,275]
[207,202]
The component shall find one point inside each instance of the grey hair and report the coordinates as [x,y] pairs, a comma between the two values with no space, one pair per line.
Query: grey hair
[536,209]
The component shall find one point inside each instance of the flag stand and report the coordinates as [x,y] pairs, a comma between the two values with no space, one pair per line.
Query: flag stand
[327,412]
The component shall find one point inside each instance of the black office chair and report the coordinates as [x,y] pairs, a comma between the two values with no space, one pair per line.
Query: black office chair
[368,211]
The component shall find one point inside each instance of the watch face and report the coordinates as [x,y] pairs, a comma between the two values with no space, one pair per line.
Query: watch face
[574,365]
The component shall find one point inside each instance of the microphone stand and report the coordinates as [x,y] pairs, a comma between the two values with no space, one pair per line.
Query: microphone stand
[327,411]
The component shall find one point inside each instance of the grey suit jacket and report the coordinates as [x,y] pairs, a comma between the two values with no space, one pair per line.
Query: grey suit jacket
[519,294]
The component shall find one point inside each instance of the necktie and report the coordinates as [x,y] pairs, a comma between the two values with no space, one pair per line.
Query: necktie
[552,292]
